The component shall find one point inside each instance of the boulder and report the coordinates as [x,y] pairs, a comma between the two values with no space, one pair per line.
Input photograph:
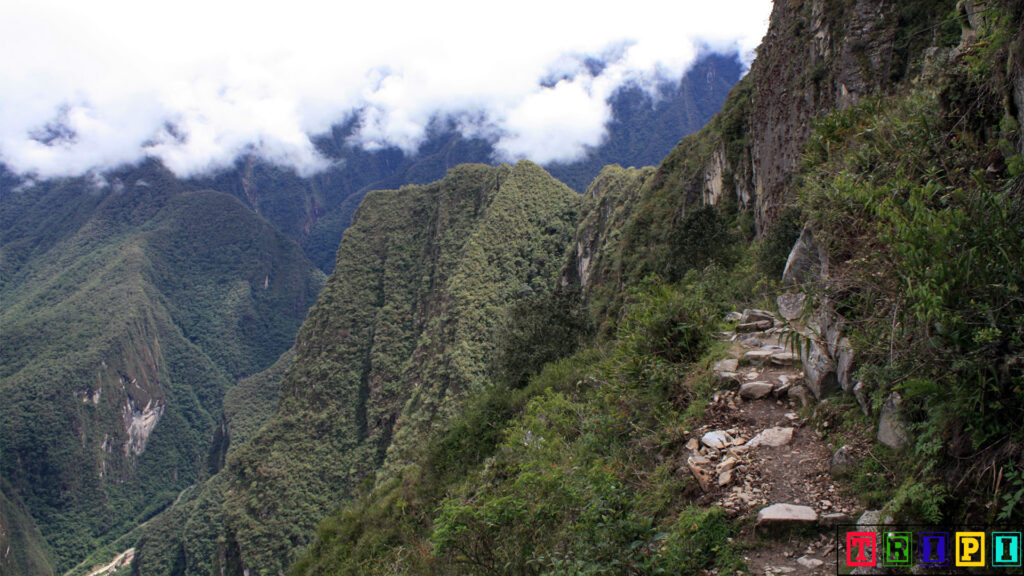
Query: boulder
[807,262]
[786,515]
[755,390]
[791,305]
[819,369]
[891,429]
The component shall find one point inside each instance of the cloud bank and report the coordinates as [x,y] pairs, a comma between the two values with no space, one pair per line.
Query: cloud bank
[86,86]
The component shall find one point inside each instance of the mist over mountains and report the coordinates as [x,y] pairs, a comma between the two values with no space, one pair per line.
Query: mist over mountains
[314,209]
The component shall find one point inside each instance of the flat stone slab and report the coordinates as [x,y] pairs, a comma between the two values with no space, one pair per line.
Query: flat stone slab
[755,315]
[786,514]
[759,326]
[758,356]
[773,437]
[784,358]
[727,365]
[755,390]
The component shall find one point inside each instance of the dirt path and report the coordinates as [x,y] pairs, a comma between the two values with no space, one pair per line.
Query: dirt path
[772,455]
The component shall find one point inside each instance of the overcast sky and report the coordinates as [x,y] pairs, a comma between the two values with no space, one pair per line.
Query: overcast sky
[87,85]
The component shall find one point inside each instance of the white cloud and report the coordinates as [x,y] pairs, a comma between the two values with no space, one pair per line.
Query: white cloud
[196,82]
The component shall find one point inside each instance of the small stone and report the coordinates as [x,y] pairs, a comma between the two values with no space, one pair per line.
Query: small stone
[843,462]
[733,316]
[728,463]
[844,364]
[751,375]
[755,390]
[725,478]
[693,445]
[786,514]
[792,416]
[835,519]
[810,563]
[699,473]
[801,393]
[717,439]
[861,394]
[773,437]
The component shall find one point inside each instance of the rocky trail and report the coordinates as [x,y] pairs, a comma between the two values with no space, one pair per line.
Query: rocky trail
[758,457]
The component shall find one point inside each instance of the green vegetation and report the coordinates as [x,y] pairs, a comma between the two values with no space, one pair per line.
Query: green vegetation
[573,474]
[921,208]
[404,330]
[119,305]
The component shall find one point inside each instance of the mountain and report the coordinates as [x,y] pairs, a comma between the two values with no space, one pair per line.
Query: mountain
[130,308]
[402,331]
[139,309]
[501,377]
[314,211]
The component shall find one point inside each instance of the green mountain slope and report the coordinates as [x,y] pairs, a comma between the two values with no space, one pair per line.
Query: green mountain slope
[128,311]
[403,331]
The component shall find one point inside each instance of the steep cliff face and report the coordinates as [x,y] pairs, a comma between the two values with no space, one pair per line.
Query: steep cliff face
[128,311]
[403,330]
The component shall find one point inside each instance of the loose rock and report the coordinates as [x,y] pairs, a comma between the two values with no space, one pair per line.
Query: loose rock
[843,462]
[807,562]
[716,439]
[891,430]
[755,390]
[801,393]
[727,365]
[696,465]
[773,437]
[861,394]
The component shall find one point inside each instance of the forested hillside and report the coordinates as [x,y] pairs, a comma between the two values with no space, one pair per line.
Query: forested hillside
[402,333]
[129,310]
